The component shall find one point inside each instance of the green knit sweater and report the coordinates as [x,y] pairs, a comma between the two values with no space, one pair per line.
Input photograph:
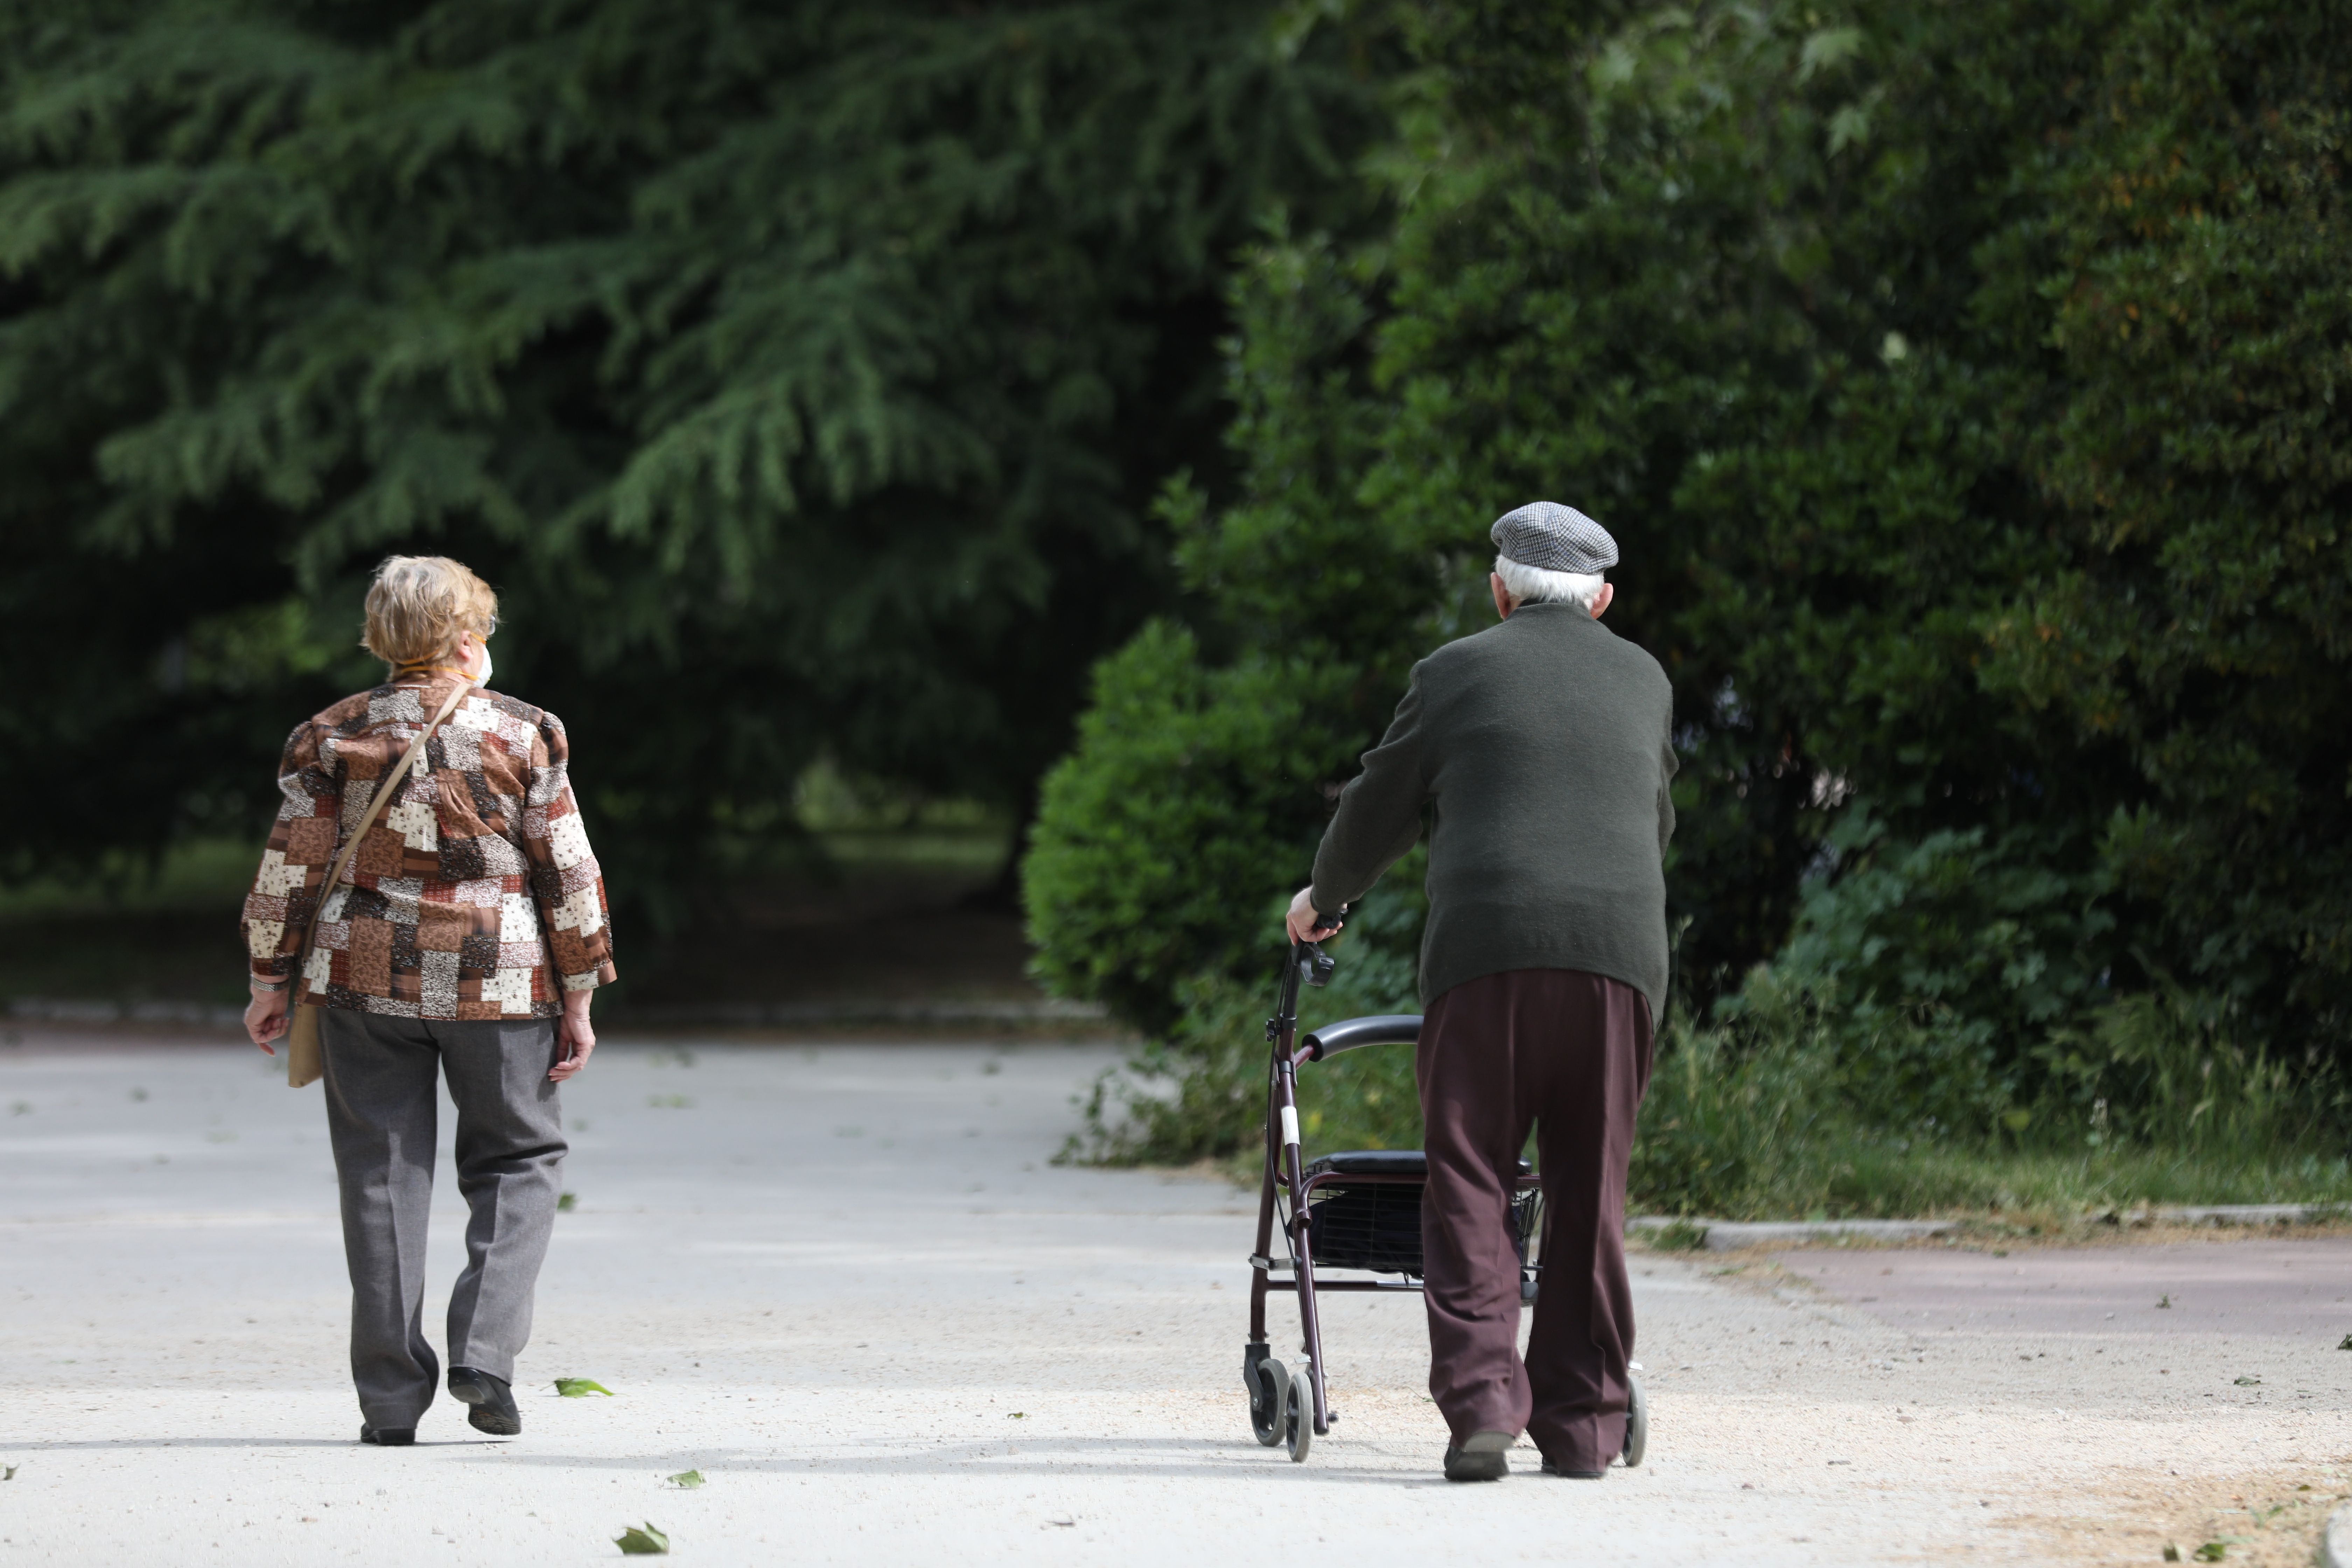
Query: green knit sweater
[1543,747]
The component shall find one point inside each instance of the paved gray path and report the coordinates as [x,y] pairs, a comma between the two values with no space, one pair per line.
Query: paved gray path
[848,1286]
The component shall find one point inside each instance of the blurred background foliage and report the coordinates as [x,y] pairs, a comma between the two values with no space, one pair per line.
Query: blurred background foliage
[1961,385]
[801,373]
[917,419]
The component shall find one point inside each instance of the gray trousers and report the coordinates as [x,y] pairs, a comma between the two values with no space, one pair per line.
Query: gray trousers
[380,1114]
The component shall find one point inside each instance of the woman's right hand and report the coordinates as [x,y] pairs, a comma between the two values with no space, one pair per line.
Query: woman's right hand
[575,1037]
[265,1017]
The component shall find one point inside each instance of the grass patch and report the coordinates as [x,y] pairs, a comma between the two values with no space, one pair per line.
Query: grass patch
[1768,1119]
[1861,1175]
[1676,1236]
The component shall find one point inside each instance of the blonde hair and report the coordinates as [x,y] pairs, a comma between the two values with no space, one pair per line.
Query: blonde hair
[419,605]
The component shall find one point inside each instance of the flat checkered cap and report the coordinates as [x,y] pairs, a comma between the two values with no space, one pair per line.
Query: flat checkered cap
[1550,537]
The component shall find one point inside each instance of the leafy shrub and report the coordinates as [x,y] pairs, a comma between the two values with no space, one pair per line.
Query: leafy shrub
[1938,966]
[1721,1124]
[1959,382]
[1200,1090]
[1191,797]
[1760,1115]
[1760,1118]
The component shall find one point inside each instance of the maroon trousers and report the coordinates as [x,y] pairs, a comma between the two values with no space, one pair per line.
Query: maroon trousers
[1568,1054]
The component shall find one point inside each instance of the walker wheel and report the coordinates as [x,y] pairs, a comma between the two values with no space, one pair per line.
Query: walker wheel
[1637,1422]
[1269,1383]
[1298,1432]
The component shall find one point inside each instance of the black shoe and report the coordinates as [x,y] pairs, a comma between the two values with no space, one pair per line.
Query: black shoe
[1486,1457]
[1552,1469]
[389,1438]
[493,1402]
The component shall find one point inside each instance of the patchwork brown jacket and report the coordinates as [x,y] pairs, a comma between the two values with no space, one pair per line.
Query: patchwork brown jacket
[474,895]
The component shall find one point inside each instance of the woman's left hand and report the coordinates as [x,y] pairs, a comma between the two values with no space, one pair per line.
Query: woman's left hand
[573,1037]
[265,1018]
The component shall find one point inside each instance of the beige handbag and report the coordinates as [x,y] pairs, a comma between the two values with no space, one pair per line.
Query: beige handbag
[301,1037]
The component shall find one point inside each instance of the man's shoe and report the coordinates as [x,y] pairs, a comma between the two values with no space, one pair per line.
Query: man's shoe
[1484,1457]
[389,1436]
[1552,1469]
[493,1402]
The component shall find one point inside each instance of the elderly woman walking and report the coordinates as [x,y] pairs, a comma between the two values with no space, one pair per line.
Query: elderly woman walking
[443,913]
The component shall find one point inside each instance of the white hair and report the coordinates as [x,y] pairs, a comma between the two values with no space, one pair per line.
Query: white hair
[1533,585]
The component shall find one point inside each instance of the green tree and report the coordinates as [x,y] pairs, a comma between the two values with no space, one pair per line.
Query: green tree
[1959,383]
[801,373]
[2197,293]
[1620,277]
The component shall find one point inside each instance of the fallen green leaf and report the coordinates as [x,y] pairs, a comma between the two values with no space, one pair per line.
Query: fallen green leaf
[581,1387]
[9,1474]
[689,1479]
[642,1542]
[2247,1382]
[1016,1414]
[2211,1551]
[567,1202]
[2171,1552]
[2165,1300]
[2346,1345]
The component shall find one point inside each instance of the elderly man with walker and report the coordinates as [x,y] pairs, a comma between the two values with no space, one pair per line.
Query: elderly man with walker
[1542,748]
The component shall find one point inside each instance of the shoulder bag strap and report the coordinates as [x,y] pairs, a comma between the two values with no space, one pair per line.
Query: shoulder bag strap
[352,846]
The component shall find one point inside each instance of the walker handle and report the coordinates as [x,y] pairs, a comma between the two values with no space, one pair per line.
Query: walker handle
[1380,1029]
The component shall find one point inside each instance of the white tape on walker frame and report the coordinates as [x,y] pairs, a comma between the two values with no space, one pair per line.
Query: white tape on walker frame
[1290,1125]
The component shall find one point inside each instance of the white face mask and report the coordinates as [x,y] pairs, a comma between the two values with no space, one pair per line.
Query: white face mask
[482,673]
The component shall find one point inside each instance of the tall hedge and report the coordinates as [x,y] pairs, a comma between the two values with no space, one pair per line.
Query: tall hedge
[1961,383]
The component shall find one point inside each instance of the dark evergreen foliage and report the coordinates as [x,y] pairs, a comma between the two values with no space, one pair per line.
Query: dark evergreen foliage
[1962,385]
[801,373]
